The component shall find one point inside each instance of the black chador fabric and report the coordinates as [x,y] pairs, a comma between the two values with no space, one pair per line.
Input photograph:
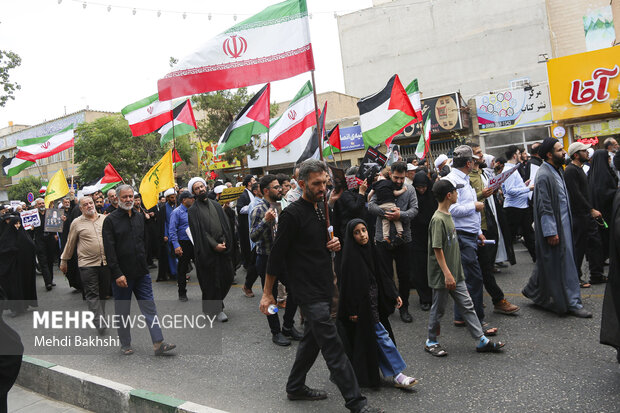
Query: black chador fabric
[11,351]
[209,226]
[610,321]
[602,183]
[73,271]
[361,274]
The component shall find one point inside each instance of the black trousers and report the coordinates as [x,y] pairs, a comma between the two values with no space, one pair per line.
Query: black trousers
[587,241]
[47,252]
[320,334]
[520,222]
[188,254]
[251,274]
[96,284]
[402,256]
[244,240]
[419,276]
[486,258]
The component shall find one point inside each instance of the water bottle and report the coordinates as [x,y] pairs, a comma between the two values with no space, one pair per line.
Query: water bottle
[272,309]
[486,242]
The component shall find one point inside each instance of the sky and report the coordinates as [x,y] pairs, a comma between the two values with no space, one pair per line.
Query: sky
[74,57]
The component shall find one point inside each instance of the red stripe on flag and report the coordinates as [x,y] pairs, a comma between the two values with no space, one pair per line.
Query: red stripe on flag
[294,131]
[173,87]
[260,110]
[33,157]
[150,125]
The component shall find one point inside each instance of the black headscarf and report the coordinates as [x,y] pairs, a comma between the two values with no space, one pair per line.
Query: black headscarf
[546,146]
[357,268]
[602,183]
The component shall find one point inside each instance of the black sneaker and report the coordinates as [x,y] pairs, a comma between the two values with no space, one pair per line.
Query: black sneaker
[183,298]
[405,316]
[280,340]
[292,333]
[306,393]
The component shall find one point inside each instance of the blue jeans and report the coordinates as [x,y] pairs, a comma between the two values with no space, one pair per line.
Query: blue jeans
[468,243]
[390,361]
[142,288]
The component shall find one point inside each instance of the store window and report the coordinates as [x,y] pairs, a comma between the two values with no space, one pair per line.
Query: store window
[496,144]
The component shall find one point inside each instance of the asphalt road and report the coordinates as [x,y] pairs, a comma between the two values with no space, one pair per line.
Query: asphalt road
[550,363]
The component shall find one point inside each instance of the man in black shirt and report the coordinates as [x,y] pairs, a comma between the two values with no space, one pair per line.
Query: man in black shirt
[125,251]
[302,249]
[587,239]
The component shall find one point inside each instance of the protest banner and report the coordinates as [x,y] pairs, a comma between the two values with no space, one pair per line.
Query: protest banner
[498,180]
[15,204]
[372,163]
[30,219]
[53,220]
[353,181]
[231,194]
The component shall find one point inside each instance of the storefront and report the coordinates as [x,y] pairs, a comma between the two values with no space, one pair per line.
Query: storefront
[582,88]
[517,116]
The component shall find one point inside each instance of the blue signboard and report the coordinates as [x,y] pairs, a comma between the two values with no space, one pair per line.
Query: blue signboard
[351,138]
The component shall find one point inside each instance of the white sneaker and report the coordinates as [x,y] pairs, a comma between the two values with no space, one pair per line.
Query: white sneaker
[222,318]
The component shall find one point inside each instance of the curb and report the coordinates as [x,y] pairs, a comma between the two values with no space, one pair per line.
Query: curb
[97,394]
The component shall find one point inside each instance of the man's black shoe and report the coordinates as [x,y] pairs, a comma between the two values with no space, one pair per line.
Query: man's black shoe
[425,306]
[280,340]
[48,287]
[580,313]
[53,284]
[405,316]
[307,393]
[368,409]
[293,334]
[183,298]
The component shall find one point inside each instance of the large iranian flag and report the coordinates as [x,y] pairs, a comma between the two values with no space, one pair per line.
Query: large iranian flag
[299,116]
[32,149]
[271,45]
[147,115]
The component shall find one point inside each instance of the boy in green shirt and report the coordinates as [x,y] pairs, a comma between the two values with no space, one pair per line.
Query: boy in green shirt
[445,274]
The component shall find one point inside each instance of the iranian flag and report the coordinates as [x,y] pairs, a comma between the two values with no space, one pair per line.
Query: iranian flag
[182,122]
[414,97]
[425,139]
[298,117]
[13,166]
[271,45]
[252,120]
[332,142]
[109,180]
[386,113]
[32,149]
[147,115]
[312,147]
[176,158]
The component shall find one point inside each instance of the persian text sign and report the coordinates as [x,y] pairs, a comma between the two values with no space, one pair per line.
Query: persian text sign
[584,84]
[30,219]
[498,180]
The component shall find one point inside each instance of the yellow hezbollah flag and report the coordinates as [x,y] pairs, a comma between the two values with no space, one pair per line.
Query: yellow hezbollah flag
[158,179]
[56,188]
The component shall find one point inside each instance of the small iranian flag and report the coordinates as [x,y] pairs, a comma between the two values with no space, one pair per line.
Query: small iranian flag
[32,149]
[271,45]
[147,115]
[333,142]
[414,97]
[298,117]
[386,113]
[13,166]
[425,138]
[253,119]
[109,180]
[182,122]
[176,158]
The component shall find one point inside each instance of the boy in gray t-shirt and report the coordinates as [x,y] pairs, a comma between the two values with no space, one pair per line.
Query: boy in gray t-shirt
[445,274]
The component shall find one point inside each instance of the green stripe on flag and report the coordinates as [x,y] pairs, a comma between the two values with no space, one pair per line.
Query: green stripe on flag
[380,133]
[180,129]
[275,14]
[41,139]
[412,87]
[327,151]
[303,92]
[140,104]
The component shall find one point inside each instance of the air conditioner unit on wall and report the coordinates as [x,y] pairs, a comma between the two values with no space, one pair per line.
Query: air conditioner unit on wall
[520,83]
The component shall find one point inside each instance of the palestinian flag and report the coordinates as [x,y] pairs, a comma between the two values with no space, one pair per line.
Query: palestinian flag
[147,115]
[386,113]
[425,139]
[13,166]
[182,122]
[32,149]
[312,147]
[332,142]
[176,159]
[271,45]
[252,120]
[109,180]
[298,117]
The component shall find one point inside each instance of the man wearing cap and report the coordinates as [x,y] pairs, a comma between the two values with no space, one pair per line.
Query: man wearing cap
[587,239]
[554,283]
[243,221]
[181,243]
[516,201]
[167,260]
[467,221]
[213,247]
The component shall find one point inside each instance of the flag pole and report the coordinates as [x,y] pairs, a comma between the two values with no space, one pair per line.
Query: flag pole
[319,136]
[72,165]
[174,149]
[267,167]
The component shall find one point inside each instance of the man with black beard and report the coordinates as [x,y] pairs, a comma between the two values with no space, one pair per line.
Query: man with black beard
[213,247]
[554,284]
[46,245]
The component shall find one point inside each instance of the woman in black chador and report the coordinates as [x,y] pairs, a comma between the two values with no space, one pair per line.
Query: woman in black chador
[602,183]
[367,297]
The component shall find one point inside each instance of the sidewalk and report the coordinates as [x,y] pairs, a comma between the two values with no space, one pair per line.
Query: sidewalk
[25,401]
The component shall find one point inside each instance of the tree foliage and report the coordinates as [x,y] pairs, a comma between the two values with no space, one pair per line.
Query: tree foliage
[8,60]
[222,107]
[19,191]
[108,139]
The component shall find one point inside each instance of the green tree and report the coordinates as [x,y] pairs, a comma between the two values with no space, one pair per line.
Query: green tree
[109,139]
[8,60]
[19,191]
[222,107]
